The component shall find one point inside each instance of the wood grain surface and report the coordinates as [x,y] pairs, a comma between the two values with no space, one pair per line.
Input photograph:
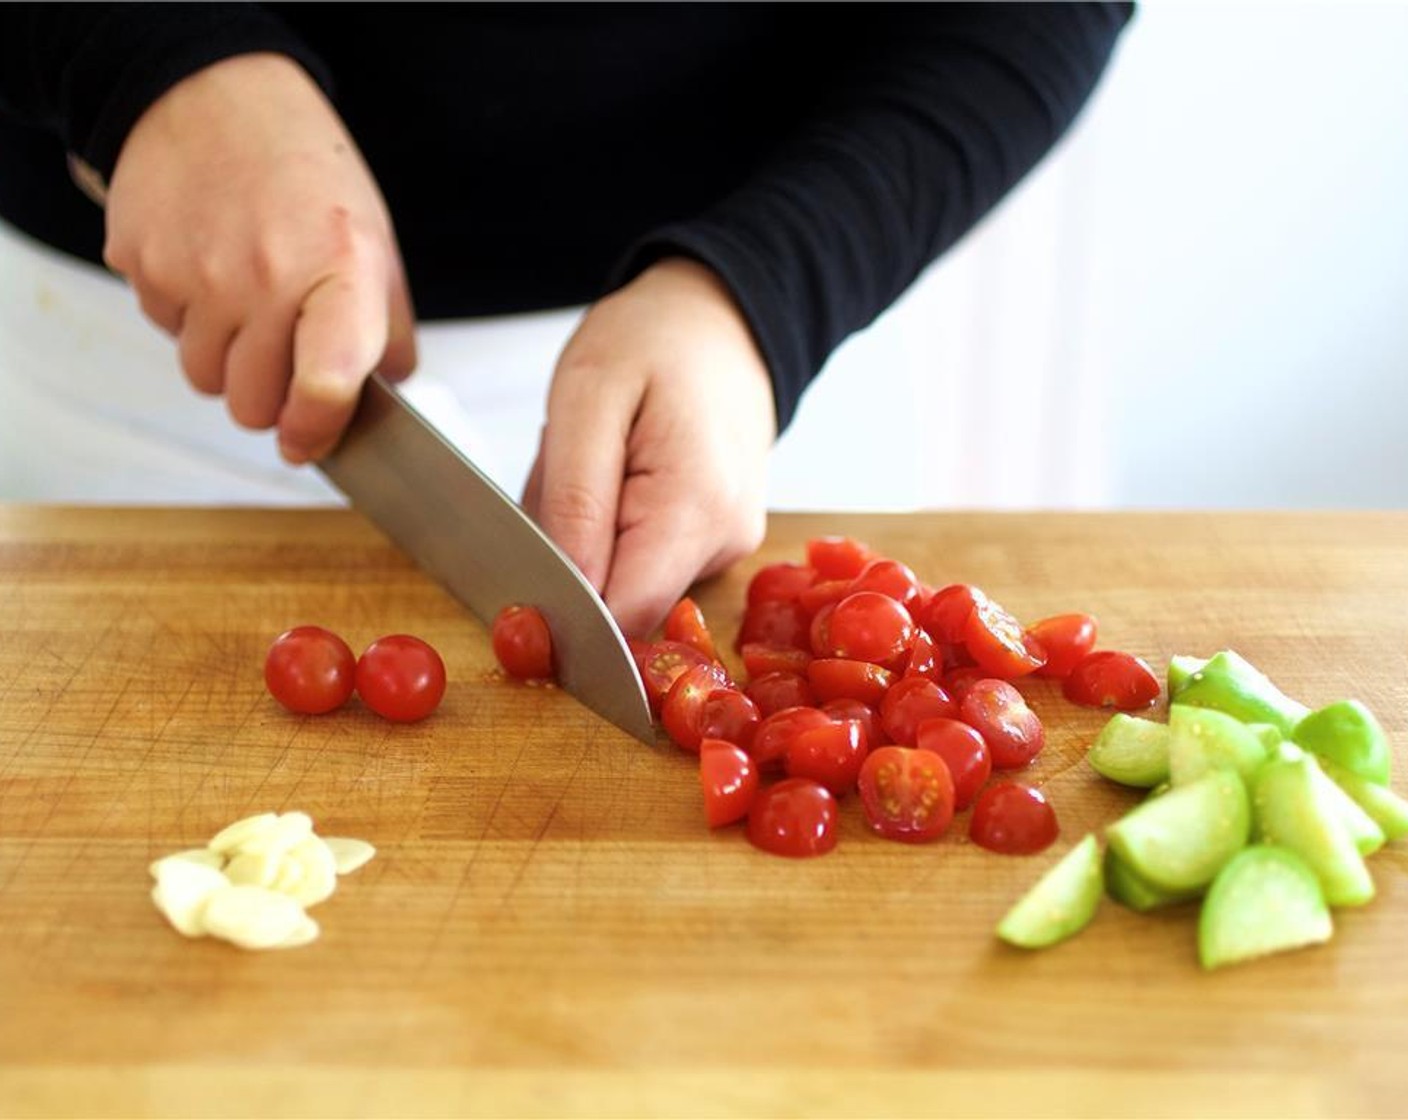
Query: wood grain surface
[549,929]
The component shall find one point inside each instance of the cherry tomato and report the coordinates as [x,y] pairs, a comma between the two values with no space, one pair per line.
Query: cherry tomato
[1012,730]
[661,664]
[907,794]
[523,643]
[925,658]
[838,557]
[834,678]
[729,715]
[309,670]
[774,622]
[729,780]
[889,577]
[796,818]
[401,678]
[1013,819]
[760,659]
[868,626]
[863,714]
[1108,679]
[947,611]
[779,583]
[685,623]
[682,711]
[774,691]
[1066,638]
[957,682]
[831,755]
[996,640]
[909,701]
[827,593]
[963,750]
[774,736]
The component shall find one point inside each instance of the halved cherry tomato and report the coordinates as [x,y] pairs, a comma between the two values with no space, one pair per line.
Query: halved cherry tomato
[963,750]
[907,794]
[1109,679]
[869,626]
[889,577]
[779,583]
[864,714]
[730,715]
[834,678]
[995,639]
[838,557]
[819,632]
[310,670]
[682,712]
[774,622]
[796,818]
[909,701]
[522,643]
[774,736]
[661,664]
[774,691]
[1066,638]
[685,623]
[826,593]
[1014,819]
[925,658]
[400,678]
[761,659]
[831,755]
[947,611]
[1012,730]
[729,780]
[957,682]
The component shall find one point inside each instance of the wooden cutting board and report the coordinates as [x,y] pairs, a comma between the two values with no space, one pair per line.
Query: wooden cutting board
[549,929]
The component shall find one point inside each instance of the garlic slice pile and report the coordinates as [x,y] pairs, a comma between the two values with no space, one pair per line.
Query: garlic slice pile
[252,883]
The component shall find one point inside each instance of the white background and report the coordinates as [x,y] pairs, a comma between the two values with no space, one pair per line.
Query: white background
[1200,299]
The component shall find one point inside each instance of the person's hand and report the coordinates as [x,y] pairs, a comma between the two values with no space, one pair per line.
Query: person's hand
[249,225]
[652,464]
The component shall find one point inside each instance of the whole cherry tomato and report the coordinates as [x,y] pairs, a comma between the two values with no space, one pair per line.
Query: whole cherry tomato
[401,678]
[309,670]
[523,643]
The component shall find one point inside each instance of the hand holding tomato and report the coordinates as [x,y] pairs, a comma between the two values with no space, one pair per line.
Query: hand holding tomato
[651,468]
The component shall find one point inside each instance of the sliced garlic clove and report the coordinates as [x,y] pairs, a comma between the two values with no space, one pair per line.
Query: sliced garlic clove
[241,832]
[319,871]
[305,933]
[204,857]
[252,917]
[282,835]
[255,869]
[290,874]
[348,854]
[182,890]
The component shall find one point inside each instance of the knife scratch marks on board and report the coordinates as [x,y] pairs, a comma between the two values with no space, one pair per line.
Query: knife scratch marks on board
[542,829]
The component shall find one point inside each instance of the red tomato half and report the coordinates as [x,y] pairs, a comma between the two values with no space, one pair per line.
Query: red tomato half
[864,714]
[907,794]
[685,623]
[729,715]
[760,660]
[869,626]
[682,712]
[661,664]
[827,593]
[947,611]
[779,583]
[774,691]
[925,658]
[1108,679]
[309,670]
[729,781]
[996,640]
[1013,819]
[1012,730]
[774,736]
[831,755]
[523,643]
[1066,638]
[891,578]
[834,678]
[774,622]
[400,678]
[963,750]
[796,818]
[838,557]
[910,701]
[957,682]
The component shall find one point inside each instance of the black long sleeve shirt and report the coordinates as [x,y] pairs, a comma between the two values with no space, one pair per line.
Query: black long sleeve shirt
[818,157]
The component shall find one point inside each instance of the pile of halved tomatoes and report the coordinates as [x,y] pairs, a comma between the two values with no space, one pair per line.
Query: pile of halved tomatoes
[859,677]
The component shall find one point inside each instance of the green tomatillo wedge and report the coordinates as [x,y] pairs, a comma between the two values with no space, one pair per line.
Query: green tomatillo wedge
[1389,811]
[1130,889]
[1132,751]
[1346,732]
[1180,840]
[1265,900]
[1062,902]
[1202,739]
[1229,683]
[1180,668]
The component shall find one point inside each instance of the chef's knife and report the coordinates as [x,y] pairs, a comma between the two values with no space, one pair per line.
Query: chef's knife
[403,475]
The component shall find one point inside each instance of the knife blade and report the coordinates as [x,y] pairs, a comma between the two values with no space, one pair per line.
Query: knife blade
[400,472]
